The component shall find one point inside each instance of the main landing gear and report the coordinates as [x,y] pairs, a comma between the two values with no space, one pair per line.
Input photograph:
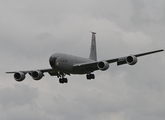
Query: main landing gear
[90,76]
[63,80]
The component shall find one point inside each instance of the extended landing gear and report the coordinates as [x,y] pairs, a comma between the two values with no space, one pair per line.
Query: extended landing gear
[63,80]
[61,76]
[90,76]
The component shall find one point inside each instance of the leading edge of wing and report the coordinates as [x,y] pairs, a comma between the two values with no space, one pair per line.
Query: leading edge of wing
[29,71]
[147,53]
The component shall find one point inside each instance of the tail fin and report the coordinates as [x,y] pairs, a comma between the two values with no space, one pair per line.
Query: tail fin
[93,52]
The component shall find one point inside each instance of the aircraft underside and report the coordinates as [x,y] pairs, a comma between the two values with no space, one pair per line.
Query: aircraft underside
[63,79]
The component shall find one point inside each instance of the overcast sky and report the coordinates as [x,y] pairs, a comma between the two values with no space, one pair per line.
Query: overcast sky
[32,30]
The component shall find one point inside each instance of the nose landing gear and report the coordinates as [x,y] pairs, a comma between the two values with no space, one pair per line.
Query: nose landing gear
[61,76]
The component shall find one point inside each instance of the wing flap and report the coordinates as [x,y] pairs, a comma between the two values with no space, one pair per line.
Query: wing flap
[121,62]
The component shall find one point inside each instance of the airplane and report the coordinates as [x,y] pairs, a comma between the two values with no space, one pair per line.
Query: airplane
[64,64]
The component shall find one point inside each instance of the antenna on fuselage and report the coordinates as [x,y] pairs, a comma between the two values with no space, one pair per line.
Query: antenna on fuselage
[93,52]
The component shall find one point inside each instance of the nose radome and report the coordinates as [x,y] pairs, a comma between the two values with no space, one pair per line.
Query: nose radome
[52,61]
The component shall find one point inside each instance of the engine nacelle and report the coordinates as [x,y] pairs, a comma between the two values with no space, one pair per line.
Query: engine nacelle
[19,76]
[37,75]
[131,60]
[103,65]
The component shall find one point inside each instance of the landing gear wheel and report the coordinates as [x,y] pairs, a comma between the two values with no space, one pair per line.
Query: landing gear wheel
[90,76]
[60,80]
[63,80]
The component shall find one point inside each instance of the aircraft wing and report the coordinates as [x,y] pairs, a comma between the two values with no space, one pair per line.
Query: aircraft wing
[122,60]
[92,66]
[29,71]
[50,71]
[35,74]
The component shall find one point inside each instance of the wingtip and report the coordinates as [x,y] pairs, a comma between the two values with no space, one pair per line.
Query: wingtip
[161,50]
[9,72]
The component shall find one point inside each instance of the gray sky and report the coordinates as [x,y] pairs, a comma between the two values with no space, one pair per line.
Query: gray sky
[32,30]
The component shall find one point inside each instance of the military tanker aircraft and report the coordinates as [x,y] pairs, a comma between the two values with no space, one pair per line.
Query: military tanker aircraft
[64,64]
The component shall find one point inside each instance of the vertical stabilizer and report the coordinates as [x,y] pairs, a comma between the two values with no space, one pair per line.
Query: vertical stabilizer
[93,52]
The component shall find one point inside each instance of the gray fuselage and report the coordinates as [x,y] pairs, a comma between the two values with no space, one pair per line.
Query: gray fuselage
[64,62]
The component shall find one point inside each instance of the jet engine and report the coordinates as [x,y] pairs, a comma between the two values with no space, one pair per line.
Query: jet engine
[19,76]
[131,60]
[103,65]
[37,75]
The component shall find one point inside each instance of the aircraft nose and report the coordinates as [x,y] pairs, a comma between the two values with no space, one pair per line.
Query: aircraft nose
[52,61]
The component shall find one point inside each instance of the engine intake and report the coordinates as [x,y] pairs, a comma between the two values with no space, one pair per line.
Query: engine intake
[19,76]
[37,75]
[103,65]
[131,60]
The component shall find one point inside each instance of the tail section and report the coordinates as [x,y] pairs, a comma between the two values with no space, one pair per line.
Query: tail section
[93,52]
